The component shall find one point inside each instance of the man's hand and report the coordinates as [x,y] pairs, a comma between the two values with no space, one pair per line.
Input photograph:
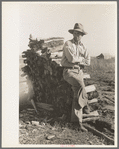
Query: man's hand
[85,61]
[78,67]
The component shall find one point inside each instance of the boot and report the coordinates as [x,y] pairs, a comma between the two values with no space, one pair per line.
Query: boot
[86,109]
[76,104]
[82,127]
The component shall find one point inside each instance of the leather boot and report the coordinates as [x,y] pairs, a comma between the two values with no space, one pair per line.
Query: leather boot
[86,109]
[82,127]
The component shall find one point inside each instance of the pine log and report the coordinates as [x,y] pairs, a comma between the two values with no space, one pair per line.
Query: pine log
[45,106]
[98,133]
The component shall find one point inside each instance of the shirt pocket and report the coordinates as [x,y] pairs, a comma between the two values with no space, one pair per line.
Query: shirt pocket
[74,49]
[81,51]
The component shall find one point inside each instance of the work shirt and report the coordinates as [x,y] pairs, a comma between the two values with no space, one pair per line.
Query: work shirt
[74,54]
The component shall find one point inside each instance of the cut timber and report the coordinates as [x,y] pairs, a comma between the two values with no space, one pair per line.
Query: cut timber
[52,39]
[63,117]
[55,49]
[52,43]
[33,103]
[90,88]
[58,61]
[86,76]
[98,133]
[90,119]
[45,106]
[93,100]
[108,97]
[56,55]
[92,114]
[108,107]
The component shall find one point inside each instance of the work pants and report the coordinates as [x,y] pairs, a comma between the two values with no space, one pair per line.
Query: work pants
[75,78]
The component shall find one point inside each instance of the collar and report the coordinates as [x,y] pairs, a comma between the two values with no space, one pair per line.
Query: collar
[76,43]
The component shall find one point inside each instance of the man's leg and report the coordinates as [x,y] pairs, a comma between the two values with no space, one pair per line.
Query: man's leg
[76,80]
[76,114]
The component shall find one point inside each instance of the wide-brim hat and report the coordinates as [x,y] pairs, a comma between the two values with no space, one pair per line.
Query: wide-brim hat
[78,27]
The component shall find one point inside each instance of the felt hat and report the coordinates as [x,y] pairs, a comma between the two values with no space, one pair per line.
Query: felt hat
[78,27]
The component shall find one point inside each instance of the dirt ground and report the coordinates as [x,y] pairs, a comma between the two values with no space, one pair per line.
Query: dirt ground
[43,128]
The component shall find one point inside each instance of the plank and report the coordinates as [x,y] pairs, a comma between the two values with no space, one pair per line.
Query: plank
[56,54]
[108,97]
[90,119]
[108,107]
[56,49]
[52,39]
[91,114]
[90,88]
[58,61]
[93,100]
[86,76]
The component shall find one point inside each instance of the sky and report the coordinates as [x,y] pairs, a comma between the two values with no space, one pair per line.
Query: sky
[54,19]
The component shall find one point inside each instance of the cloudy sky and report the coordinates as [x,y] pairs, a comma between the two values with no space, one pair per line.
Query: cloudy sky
[54,19]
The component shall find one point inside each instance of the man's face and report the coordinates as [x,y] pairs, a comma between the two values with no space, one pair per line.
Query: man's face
[77,35]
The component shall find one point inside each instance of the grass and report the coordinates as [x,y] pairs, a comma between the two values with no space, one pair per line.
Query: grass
[102,69]
[102,64]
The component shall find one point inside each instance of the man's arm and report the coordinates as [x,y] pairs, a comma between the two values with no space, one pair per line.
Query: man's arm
[70,54]
[86,59]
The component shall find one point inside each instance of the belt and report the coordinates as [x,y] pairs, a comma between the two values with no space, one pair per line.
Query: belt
[71,67]
[80,67]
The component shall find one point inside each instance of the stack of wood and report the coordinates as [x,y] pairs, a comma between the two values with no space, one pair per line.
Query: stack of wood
[45,75]
[44,72]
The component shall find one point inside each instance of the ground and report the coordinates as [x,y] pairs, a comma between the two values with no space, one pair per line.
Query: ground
[42,129]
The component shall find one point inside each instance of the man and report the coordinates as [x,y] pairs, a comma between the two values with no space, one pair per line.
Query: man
[75,55]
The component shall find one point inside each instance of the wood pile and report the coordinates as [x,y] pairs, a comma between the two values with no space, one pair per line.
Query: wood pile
[44,71]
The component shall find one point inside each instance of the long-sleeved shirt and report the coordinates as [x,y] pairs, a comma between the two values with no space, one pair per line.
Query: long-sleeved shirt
[74,54]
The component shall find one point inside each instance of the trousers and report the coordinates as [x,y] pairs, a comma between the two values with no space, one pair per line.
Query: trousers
[75,78]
